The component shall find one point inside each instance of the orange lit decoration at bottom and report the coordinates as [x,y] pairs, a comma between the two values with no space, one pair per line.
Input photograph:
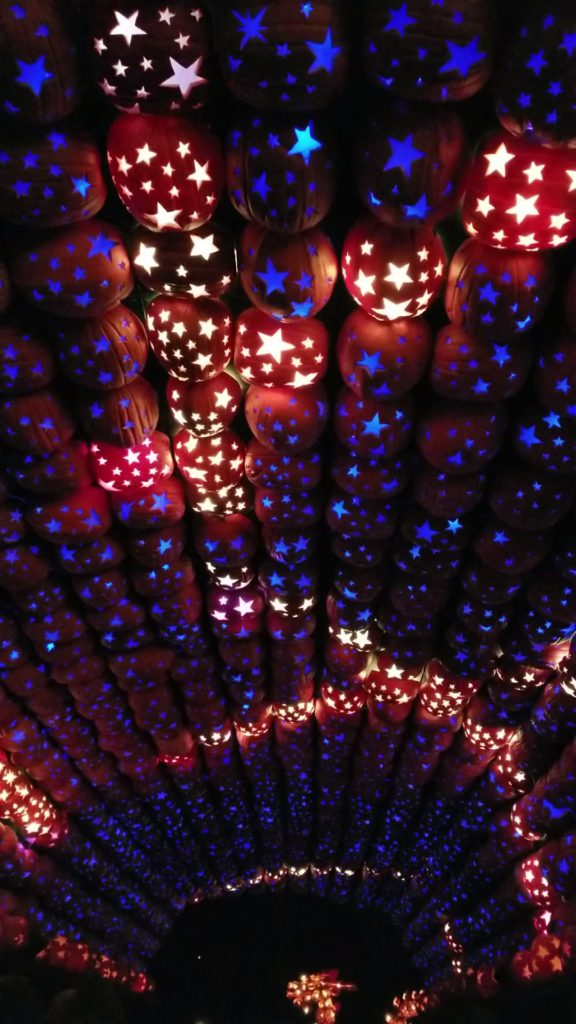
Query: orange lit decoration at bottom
[319,991]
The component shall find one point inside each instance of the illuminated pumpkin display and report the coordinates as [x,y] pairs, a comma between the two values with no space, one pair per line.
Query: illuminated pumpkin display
[125,469]
[544,113]
[292,354]
[546,439]
[391,273]
[409,164]
[520,195]
[209,463]
[201,264]
[168,170]
[123,417]
[284,55]
[382,360]
[439,55]
[496,295]
[373,429]
[103,352]
[76,271]
[264,468]
[287,276]
[64,469]
[286,419]
[471,370]
[192,339]
[50,179]
[150,59]
[206,407]
[280,176]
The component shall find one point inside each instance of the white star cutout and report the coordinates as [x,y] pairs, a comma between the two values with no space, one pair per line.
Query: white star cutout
[484,206]
[127,27]
[203,247]
[146,258]
[497,160]
[392,310]
[364,282]
[399,276]
[207,327]
[534,172]
[273,345]
[525,207]
[144,154]
[184,78]
[199,174]
[164,218]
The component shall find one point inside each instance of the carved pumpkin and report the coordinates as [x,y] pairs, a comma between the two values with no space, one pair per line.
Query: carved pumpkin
[156,508]
[424,54]
[443,494]
[409,164]
[27,362]
[468,369]
[382,360]
[192,339]
[62,470]
[77,271]
[129,469]
[293,354]
[282,176]
[264,468]
[285,54]
[206,407]
[496,295]
[150,59]
[370,478]
[37,423]
[287,276]
[285,419]
[201,264]
[375,430]
[124,417]
[460,438]
[546,439]
[167,170]
[77,517]
[209,463]
[103,352]
[392,273]
[555,376]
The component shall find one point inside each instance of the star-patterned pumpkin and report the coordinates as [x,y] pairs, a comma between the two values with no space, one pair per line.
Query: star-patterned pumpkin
[370,478]
[292,354]
[283,509]
[285,54]
[229,541]
[496,295]
[535,85]
[409,164]
[287,276]
[201,263]
[444,494]
[555,376]
[81,270]
[459,437]
[374,430]
[423,54]
[209,463]
[551,594]
[382,360]
[520,195]
[509,550]
[225,501]
[37,423]
[73,519]
[62,470]
[103,352]
[546,439]
[151,59]
[157,508]
[129,469]
[392,273]
[167,169]
[123,417]
[471,370]
[41,61]
[50,179]
[282,176]
[27,361]
[206,407]
[264,467]
[192,339]
[490,586]
[156,547]
[361,517]
[286,419]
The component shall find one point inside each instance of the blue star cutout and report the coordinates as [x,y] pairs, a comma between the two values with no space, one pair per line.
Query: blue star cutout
[488,293]
[102,246]
[339,508]
[404,154]
[33,74]
[160,502]
[552,420]
[527,435]
[563,385]
[568,43]
[462,58]
[305,143]
[481,386]
[302,308]
[399,20]
[419,209]
[21,188]
[370,363]
[306,10]
[81,185]
[273,279]
[93,519]
[324,54]
[501,354]
[261,187]
[454,525]
[425,532]
[373,427]
[251,26]
[536,62]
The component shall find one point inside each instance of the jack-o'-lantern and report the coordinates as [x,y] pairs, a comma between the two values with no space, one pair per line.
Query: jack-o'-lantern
[200,263]
[293,354]
[102,352]
[287,276]
[382,360]
[192,339]
[471,370]
[286,419]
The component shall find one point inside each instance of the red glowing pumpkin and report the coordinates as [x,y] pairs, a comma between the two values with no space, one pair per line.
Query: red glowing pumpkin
[374,430]
[207,407]
[460,438]
[293,354]
[167,170]
[128,469]
[192,339]
[471,370]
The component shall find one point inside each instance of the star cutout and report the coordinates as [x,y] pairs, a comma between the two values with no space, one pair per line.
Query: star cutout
[399,20]
[273,345]
[403,154]
[203,247]
[273,279]
[525,206]
[364,283]
[484,206]
[127,27]
[398,276]
[199,174]
[144,155]
[251,26]
[305,143]
[324,54]
[463,58]
[184,78]
[370,362]
[498,160]
[164,218]
[102,246]
[146,258]
[392,310]
[33,74]
[534,172]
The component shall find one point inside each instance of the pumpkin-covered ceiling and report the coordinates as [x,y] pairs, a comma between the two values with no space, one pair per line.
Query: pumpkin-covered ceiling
[288,470]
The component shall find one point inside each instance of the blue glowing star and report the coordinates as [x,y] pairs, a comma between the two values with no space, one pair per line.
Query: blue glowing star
[418,209]
[102,246]
[251,26]
[81,185]
[324,54]
[305,143]
[302,308]
[536,62]
[306,10]
[370,363]
[273,279]
[404,154]
[462,58]
[33,74]
[373,427]
[261,187]
[488,293]
[568,43]
[527,436]
[399,20]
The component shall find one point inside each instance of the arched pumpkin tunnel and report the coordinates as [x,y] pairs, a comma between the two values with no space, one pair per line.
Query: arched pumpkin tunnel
[287,483]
